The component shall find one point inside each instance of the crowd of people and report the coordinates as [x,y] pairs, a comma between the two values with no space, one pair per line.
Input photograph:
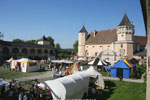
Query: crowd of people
[15,91]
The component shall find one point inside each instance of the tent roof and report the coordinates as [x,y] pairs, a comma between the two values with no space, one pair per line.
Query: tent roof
[25,60]
[121,64]
[62,61]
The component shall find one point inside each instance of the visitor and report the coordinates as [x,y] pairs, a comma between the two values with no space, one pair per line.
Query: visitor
[2,91]
[10,94]
[25,96]
[93,90]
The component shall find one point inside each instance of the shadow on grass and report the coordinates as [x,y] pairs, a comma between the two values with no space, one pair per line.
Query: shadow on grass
[103,94]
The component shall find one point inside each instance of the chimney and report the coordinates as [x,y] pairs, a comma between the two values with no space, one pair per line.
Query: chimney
[94,33]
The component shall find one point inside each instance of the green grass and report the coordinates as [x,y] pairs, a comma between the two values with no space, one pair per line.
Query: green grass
[7,74]
[119,90]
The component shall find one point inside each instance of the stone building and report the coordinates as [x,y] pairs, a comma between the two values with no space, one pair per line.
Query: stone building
[111,44]
[41,50]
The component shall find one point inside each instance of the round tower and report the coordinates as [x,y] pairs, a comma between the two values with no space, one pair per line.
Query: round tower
[81,42]
[125,30]
[125,38]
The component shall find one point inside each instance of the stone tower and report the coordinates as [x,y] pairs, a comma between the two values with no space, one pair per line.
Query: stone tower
[81,42]
[43,41]
[125,34]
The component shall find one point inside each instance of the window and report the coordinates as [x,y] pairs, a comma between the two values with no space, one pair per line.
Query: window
[95,53]
[108,47]
[121,45]
[101,47]
[87,53]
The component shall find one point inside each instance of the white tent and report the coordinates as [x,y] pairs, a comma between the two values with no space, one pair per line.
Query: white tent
[69,87]
[99,62]
[9,60]
[72,86]
[81,58]
[62,61]
[25,65]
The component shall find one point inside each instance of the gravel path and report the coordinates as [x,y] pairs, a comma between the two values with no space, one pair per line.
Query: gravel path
[49,74]
[124,79]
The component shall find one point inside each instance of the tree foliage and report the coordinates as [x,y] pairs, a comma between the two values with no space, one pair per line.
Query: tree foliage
[31,41]
[75,46]
[51,40]
[58,47]
[18,40]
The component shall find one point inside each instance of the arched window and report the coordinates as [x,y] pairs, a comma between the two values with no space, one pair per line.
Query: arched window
[32,51]
[39,51]
[5,50]
[51,52]
[24,51]
[45,51]
[15,50]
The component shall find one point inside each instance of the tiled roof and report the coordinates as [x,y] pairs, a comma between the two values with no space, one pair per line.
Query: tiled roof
[8,43]
[102,37]
[141,40]
[83,30]
[125,21]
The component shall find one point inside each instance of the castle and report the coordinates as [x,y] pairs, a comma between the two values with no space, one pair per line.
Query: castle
[111,44]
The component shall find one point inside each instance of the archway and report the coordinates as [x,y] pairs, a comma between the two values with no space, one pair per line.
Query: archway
[108,54]
[5,50]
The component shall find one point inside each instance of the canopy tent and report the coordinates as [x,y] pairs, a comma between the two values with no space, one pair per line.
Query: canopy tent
[72,86]
[99,62]
[81,58]
[72,69]
[99,78]
[121,69]
[25,65]
[62,61]
[9,60]
[68,87]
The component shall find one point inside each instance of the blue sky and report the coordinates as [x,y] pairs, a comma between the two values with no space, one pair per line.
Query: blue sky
[63,19]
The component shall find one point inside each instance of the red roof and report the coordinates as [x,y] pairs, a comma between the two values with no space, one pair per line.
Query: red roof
[141,40]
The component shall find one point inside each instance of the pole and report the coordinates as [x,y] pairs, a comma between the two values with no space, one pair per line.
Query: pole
[148,60]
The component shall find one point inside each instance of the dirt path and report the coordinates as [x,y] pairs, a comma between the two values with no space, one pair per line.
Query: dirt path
[124,79]
[48,74]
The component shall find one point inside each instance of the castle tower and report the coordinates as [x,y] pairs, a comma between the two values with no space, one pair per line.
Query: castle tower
[81,41]
[43,41]
[125,34]
[125,30]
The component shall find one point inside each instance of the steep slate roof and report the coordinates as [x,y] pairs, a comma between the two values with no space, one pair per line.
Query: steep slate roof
[8,43]
[102,37]
[83,29]
[125,21]
[141,40]
[43,38]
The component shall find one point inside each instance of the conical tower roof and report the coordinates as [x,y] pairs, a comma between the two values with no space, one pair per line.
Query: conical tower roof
[43,38]
[125,21]
[83,30]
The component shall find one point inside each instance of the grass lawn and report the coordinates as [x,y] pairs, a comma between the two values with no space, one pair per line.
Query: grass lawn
[7,74]
[119,90]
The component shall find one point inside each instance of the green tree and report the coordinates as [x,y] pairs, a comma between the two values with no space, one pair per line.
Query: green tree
[75,46]
[18,40]
[58,47]
[51,40]
[31,41]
